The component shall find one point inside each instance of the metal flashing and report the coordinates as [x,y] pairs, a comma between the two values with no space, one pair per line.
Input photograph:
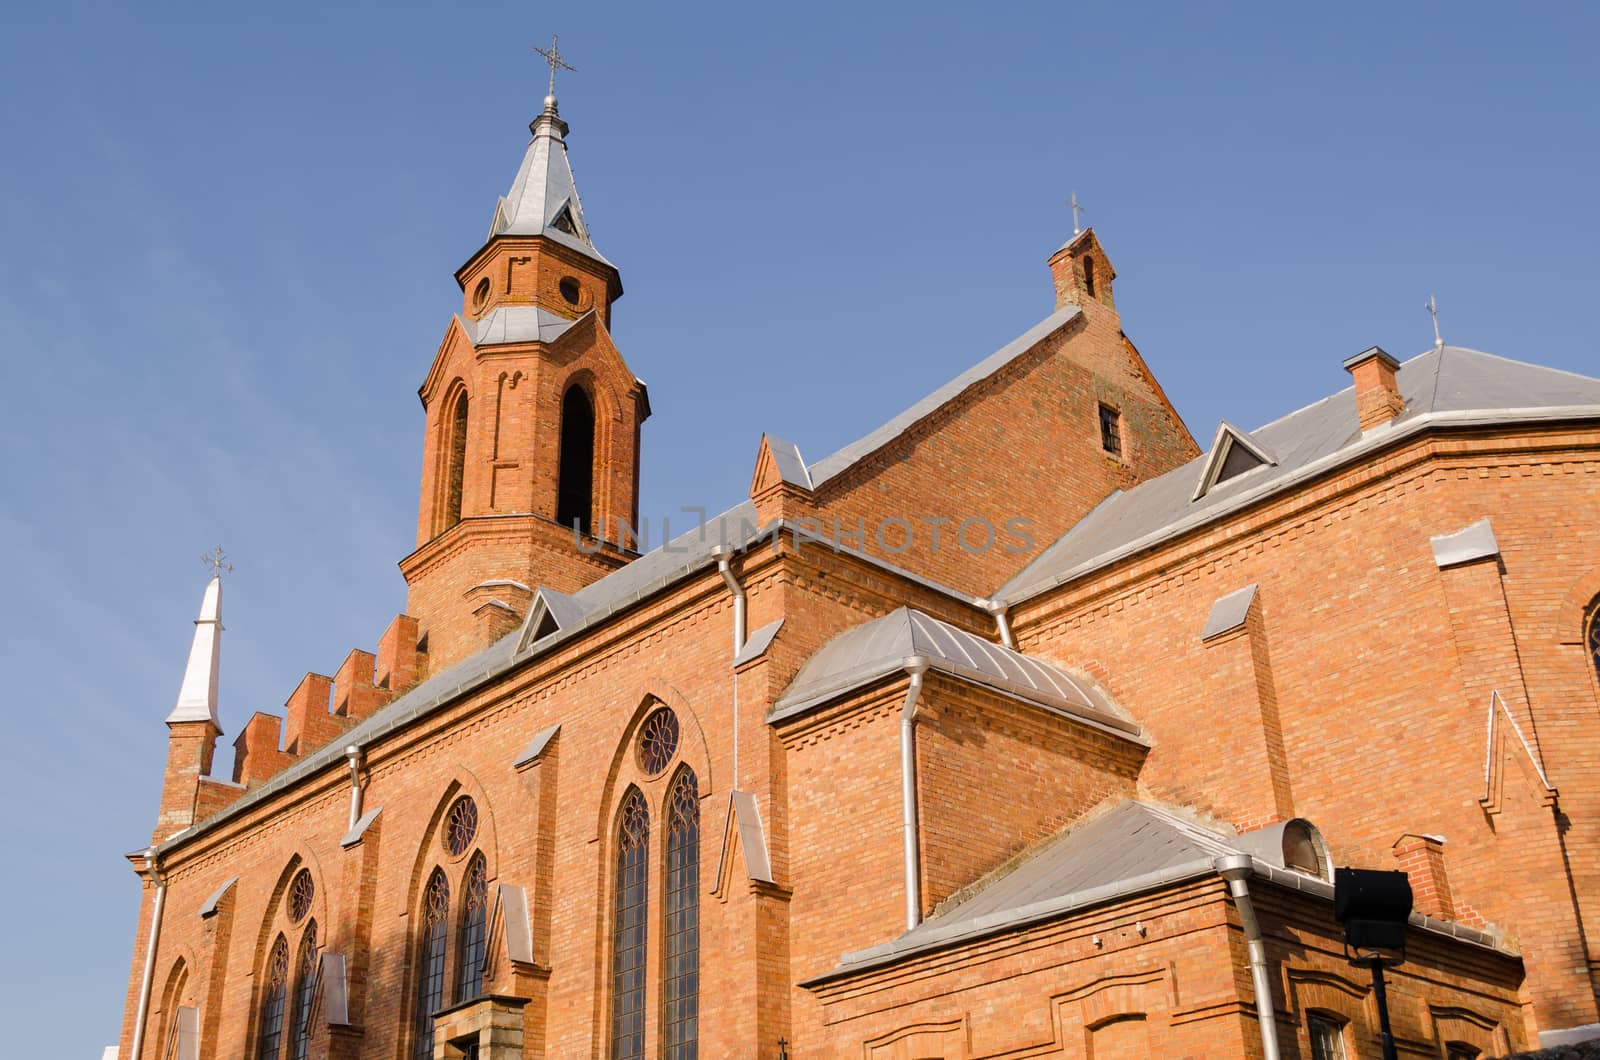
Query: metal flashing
[535,748]
[511,905]
[509,324]
[209,907]
[352,837]
[744,817]
[1471,543]
[790,464]
[755,646]
[335,990]
[1229,612]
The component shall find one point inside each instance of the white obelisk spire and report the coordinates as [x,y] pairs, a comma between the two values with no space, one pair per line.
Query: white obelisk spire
[197,698]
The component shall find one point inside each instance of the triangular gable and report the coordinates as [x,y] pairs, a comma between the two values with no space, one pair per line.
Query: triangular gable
[1233,452]
[551,612]
[778,461]
[566,221]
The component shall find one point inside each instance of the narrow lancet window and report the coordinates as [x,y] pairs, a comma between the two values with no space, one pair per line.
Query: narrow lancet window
[629,929]
[474,918]
[1592,636]
[575,487]
[305,985]
[455,462]
[430,962]
[1088,277]
[277,979]
[681,1010]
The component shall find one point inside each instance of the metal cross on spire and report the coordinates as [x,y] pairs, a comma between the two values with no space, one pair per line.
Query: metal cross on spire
[554,59]
[217,560]
[1073,202]
[1433,311]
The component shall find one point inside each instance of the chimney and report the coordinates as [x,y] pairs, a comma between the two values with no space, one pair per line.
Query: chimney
[1378,399]
[1421,858]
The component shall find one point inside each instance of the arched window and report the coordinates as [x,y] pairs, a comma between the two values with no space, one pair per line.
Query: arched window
[1088,277]
[575,486]
[277,979]
[629,928]
[305,971]
[1591,635]
[430,961]
[171,997]
[470,942]
[681,1008]
[456,462]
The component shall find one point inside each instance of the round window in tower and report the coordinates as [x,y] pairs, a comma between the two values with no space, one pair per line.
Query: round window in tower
[460,826]
[658,741]
[480,295]
[571,291]
[301,890]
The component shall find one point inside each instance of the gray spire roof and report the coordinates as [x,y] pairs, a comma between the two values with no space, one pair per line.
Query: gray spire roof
[543,200]
[197,697]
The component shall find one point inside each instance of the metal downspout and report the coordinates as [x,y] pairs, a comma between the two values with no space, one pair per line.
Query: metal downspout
[724,555]
[1236,869]
[354,754]
[916,666]
[141,1014]
[1002,621]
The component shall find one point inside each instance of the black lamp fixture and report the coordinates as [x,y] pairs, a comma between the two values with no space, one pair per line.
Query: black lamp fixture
[1374,906]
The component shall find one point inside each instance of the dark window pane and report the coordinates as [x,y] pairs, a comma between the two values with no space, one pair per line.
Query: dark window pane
[430,962]
[474,917]
[628,931]
[272,1000]
[681,982]
[1110,430]
[305,985]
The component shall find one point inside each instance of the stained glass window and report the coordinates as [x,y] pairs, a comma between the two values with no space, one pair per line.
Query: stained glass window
[681,1009]
[474,916]
[301,890]
[305,985]
[272,1000]
[1593,637]
[629,929]
[430,961]
[658,741]
[460,826]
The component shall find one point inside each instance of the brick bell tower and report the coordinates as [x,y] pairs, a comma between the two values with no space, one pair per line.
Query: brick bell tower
[530,469]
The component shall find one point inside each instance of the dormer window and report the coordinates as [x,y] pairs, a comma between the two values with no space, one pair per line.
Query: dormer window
[1110,430]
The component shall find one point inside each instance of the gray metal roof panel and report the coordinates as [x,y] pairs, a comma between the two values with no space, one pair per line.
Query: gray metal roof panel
[791,465]
[1132,848]
[1471,543]
[831,465]
[1229,612]
[1443,386]
[515,323]
[880,647]
[757,643]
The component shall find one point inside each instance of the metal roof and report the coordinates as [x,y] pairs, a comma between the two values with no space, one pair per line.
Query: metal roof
[515,323]
[879,648]
[1132,848]
[1446,386]
[543,194]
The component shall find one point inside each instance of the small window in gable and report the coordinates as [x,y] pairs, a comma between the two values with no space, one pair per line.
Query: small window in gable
[1110,430]
[563,222]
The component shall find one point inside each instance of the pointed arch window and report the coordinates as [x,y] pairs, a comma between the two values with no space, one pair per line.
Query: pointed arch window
[575,486]
[277,980]
[430,961]
[305,985]
[629,928]
[681,981]
[455,462]
[1591,635]
[1088,277]
[474,920]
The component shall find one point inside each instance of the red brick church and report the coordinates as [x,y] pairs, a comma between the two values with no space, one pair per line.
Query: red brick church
[1024,726]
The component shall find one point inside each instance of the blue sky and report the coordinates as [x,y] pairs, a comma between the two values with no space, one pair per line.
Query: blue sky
[227,237]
